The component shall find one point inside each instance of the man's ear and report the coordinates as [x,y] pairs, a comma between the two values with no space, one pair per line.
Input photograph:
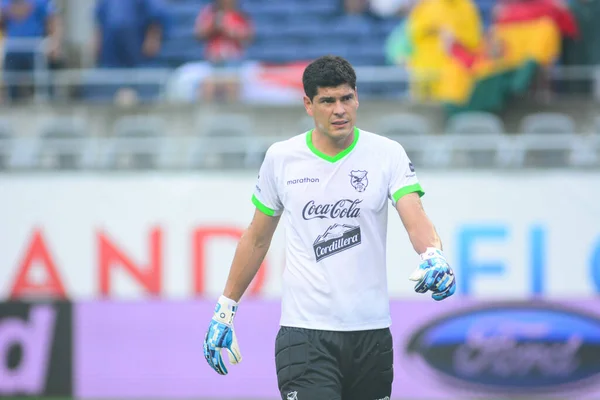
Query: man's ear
[356,94]
[308,105]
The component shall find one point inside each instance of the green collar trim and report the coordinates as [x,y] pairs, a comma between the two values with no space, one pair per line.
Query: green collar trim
[339,155]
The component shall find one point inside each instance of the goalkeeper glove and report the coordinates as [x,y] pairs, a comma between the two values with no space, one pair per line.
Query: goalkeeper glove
[220,336]
[434,274]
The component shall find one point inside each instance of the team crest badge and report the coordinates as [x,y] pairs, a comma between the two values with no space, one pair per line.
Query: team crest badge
[292,395]
[359,180]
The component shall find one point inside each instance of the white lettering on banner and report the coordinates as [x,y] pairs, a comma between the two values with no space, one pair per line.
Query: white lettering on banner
[174,235]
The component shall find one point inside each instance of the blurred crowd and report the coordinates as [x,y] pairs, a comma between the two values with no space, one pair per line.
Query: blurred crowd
[453,54]
[464,63]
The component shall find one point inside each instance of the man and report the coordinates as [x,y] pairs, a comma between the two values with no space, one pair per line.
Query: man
[332,186]
[129,34]
[227,32]
[25,24]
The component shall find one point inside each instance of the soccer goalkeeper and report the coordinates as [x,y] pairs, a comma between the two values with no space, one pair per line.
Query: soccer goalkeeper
[332,185]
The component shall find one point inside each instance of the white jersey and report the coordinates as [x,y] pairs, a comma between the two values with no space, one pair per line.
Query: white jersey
[335,210]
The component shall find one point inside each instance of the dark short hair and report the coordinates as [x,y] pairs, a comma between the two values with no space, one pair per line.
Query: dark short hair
[327,71]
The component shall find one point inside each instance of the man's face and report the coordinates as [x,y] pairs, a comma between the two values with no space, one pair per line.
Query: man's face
[227,4]
[20,9]
[334,110]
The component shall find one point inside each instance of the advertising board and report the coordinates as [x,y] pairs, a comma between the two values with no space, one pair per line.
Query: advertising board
[121,236]
[458,349]
[35,349]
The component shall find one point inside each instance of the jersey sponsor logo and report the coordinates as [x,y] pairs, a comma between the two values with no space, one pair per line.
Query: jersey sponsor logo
[336,239]
[344,208]
[302,180]
[359,180]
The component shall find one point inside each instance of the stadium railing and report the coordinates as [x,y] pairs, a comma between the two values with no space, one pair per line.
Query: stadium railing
[43,79]
[229,152]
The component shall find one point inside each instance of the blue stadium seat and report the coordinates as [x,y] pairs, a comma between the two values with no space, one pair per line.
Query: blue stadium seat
[289,30]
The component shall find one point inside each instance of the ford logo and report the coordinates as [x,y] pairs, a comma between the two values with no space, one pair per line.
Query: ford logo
[525,347]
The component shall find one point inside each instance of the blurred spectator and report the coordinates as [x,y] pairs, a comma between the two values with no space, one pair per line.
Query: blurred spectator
[390,8]
[25,23]
[398,46]
[430,23]
[129,33]
[355,7]
[585,50]
[227,31]
[532,30]
[521,45]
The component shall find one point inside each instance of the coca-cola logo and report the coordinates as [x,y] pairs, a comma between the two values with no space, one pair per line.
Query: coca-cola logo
[523,348]
[344,208]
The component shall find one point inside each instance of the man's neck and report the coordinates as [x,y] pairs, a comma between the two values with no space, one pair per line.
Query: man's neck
[329,146]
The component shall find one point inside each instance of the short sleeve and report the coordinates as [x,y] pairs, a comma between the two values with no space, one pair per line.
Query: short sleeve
[403,178]
[266,195]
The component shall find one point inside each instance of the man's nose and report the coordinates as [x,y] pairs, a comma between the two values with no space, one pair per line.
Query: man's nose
[339,108]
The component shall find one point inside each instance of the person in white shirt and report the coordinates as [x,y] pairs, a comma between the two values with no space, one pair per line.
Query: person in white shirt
[332,186]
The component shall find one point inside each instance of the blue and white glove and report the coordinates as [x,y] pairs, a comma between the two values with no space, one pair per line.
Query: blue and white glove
[220,336]
[435,275]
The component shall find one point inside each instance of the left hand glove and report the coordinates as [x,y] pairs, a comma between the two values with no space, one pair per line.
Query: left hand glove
[434,274]
[220,336]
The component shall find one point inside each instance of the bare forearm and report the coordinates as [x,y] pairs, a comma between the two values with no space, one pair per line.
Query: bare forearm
[55,28]
[248,257]
[424,235]
[419,227]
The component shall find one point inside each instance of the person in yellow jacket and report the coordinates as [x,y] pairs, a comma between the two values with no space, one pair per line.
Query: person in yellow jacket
[429,23]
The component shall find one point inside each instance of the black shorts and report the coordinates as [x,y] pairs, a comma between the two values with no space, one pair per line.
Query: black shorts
[326,365]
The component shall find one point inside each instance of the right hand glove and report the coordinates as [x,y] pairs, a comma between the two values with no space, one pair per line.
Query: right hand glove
[435,275]
[220,335]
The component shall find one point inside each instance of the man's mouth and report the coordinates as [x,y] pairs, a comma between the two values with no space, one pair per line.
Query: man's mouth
[339,123]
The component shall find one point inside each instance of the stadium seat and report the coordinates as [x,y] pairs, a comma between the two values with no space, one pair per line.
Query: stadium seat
[278,23]
[596,125]
[138,142]
[475,123]
[474,138]
[404,124]
[6,140]
[410,130]
[237,145]
[64,144]
[548,123]
[586,150]
[546,140]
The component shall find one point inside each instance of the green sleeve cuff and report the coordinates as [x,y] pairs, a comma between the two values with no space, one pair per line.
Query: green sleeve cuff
[416,188]
[266,210]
